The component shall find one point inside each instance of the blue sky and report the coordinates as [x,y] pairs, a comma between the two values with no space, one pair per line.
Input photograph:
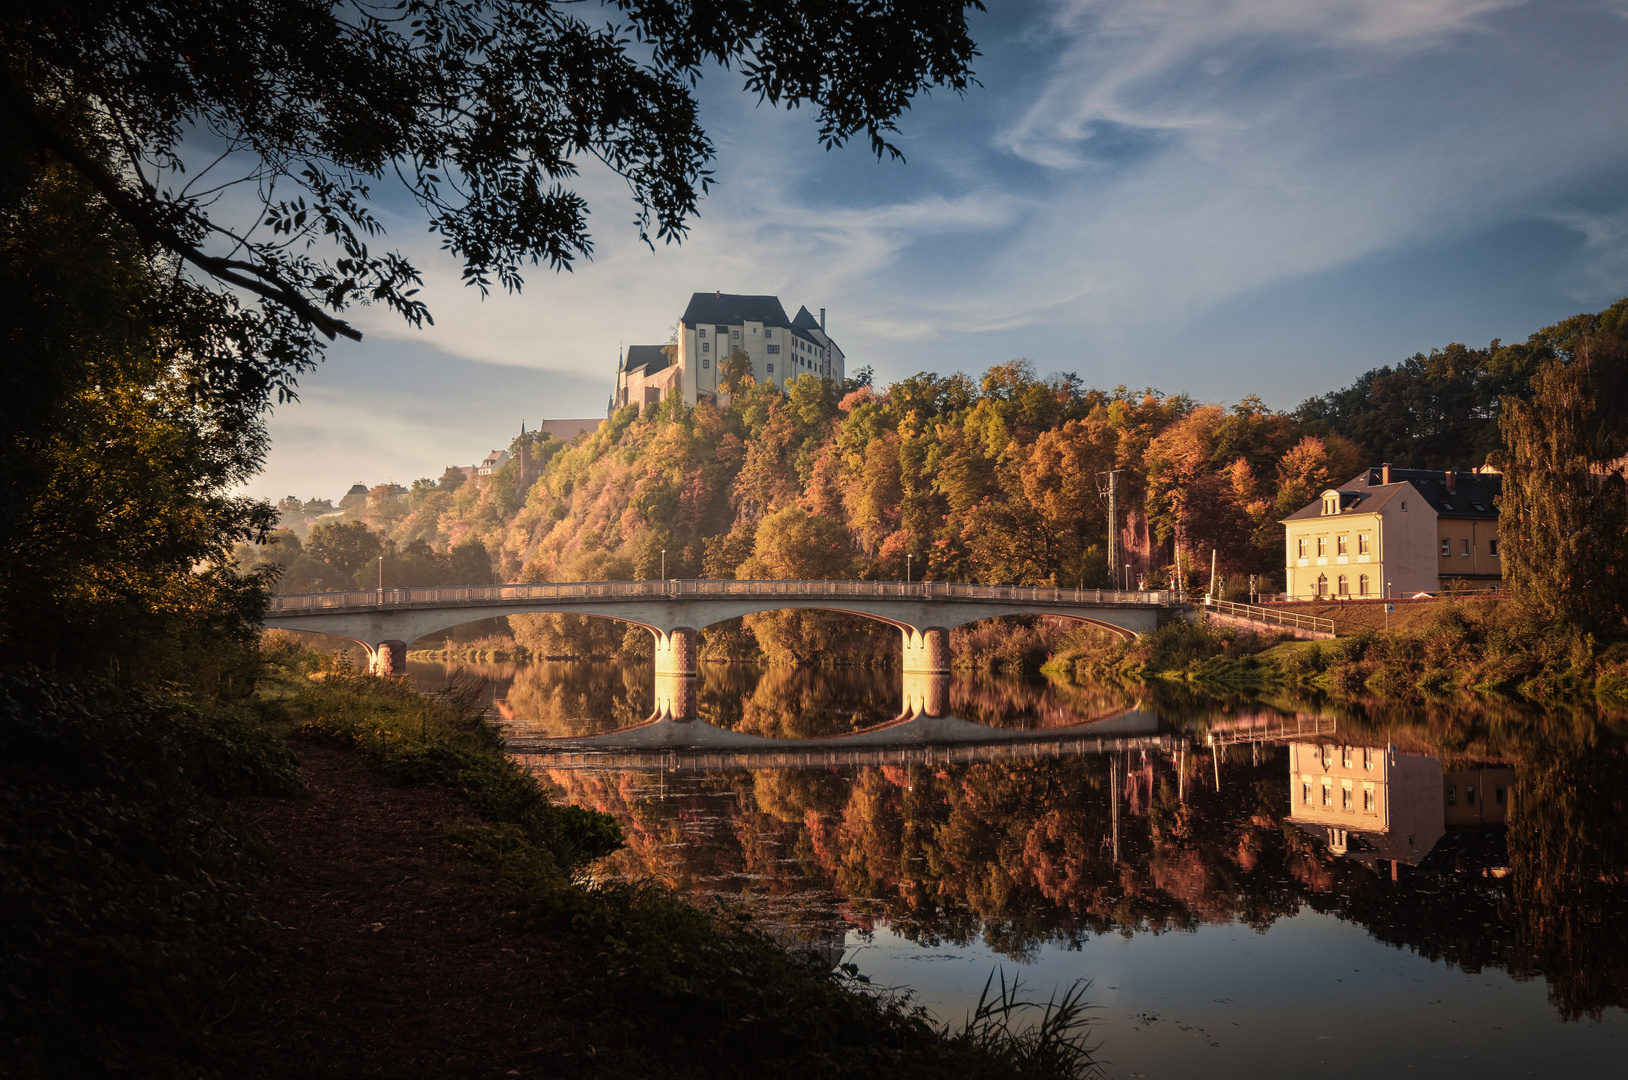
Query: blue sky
[1221,198]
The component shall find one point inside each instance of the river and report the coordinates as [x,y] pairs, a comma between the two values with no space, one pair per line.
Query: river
[1282,888]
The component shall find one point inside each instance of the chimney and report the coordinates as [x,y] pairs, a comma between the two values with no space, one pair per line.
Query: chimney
[1452,481]
[1385,473]
[822,320]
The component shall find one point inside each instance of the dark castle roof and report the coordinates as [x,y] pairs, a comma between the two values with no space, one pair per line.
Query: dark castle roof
[652,358]
[728,309]
[805,320]
[1474,495]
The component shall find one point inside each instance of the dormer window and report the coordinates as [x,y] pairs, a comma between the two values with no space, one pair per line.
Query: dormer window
[1446,506]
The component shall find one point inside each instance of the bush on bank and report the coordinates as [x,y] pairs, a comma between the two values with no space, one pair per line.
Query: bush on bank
[120,861]
[1477,646]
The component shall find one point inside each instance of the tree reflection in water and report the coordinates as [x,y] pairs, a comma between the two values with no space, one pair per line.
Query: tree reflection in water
[1018,854]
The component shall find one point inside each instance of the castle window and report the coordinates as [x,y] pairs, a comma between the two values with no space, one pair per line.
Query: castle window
[1340,545]
[771,369]
[702,332]
[774,349]
[1344,587]
[1300,546]
[1322,584]
[1322,545]
[768,333]
[1362,543]
[706,346]
[734,333]
[706,361]
[1362,584]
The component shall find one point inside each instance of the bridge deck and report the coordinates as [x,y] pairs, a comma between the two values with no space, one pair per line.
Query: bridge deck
[690,588]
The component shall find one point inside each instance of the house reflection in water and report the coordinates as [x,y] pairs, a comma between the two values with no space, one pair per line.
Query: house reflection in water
[1379,804]
[1371,804]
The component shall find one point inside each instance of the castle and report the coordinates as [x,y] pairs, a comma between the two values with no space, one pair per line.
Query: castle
[716,325]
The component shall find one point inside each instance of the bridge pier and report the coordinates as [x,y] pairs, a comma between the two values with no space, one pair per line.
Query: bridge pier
[927,650]
[675,651]
[388,658]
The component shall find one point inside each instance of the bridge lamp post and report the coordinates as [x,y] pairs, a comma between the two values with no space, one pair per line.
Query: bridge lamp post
[664,564]
[907,568]
[381,579]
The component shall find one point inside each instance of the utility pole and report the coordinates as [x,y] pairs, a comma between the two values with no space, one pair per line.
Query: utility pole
[1110,491]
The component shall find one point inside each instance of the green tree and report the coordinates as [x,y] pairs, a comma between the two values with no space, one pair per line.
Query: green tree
[1563,516]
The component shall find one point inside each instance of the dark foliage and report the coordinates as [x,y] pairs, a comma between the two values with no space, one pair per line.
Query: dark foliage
[119,922]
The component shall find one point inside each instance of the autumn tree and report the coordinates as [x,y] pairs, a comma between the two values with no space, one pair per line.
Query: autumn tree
[1564,511]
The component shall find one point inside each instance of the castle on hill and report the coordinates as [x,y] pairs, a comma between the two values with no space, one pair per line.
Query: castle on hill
[716,325]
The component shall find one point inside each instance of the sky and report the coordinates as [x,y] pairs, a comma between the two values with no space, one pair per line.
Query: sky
[1218,198]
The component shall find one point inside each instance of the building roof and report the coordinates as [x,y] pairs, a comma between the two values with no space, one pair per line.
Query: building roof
[1474,495]
[729,309]
[652,358]
[805,320]
[356,489]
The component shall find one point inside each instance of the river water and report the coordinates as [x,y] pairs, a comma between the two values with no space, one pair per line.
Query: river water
[1273,888]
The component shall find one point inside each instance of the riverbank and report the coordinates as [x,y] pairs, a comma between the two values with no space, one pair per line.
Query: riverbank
[395,897]
[1481,647]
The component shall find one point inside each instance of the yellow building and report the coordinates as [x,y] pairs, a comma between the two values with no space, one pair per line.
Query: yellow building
[1395,532]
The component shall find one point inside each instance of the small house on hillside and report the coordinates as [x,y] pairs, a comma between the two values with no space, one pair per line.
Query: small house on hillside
[492,462]
[1411,530]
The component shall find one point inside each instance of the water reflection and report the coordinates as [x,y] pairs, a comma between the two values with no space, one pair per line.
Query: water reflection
[1490,842]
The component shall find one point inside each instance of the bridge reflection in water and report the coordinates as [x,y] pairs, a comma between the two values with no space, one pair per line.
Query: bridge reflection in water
[924,733]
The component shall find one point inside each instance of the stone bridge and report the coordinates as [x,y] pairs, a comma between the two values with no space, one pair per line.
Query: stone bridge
[385,621]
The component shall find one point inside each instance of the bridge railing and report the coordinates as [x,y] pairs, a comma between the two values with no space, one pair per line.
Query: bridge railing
[685,588]
[1271,616]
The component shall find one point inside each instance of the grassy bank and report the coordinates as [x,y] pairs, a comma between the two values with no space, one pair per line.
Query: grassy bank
[1482,647]
[708,982]
[127,936]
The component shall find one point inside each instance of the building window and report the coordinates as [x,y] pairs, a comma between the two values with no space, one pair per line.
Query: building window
[1362,584]
[768,334]
[734,333]
[1362,543]
[771,369]
[1344,586]
[1492,548]
[1328,756]
[1368,757]
[706,361]
[1339,545]
[1499,794]
[1469,795]
[1466,551]
[1322,545]
[1300,547]
[702,332]
[706,346]
[1452,795]
[1404,506]
[1368,799]
[1322,584]
[774,349]
[1328,794]
[1305,794]
[1345,797]
[1447,548]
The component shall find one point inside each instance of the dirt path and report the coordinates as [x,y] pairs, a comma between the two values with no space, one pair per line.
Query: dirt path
[394,962]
